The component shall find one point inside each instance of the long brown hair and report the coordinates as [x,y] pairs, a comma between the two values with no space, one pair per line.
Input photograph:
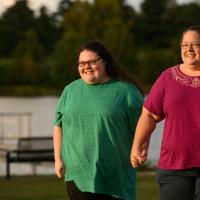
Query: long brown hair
[113,68]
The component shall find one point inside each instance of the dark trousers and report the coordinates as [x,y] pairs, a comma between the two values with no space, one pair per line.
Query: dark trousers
[75,194]
[179,184]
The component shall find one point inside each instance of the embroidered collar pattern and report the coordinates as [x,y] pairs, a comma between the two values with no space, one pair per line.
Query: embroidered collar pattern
[188,81]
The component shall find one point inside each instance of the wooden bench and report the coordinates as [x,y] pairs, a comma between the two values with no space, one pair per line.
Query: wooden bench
[31,149]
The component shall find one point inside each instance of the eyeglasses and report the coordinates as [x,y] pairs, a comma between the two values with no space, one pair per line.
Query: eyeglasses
[89,62]
[193,45]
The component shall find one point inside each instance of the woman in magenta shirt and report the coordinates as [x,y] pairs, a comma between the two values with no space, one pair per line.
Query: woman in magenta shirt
[175,97]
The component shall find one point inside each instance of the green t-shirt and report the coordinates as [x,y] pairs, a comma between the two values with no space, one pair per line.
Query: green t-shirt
[98,123]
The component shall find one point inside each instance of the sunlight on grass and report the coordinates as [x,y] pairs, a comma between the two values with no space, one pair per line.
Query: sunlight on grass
[32,188]
[147,188]
[52,188]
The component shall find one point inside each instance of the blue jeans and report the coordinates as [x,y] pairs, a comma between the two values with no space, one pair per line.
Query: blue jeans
[179,184]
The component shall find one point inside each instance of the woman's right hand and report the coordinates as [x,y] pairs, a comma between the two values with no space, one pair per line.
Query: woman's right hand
[139,155]
[145,126]
[59,168]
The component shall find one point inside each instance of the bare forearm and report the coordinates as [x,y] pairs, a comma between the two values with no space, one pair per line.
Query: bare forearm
[57,141]
[144,129]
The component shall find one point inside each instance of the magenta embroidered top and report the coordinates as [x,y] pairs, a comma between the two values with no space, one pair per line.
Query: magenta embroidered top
[176,97]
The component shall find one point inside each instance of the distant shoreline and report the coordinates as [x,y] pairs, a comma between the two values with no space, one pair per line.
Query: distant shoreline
[28,91]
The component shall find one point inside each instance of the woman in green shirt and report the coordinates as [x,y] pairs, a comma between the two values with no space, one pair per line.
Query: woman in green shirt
[94,125]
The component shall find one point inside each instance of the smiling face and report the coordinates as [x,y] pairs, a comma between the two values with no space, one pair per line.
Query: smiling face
[190,49]
[91,68]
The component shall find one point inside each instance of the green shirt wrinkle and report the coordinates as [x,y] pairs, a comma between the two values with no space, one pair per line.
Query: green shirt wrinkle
[98,123]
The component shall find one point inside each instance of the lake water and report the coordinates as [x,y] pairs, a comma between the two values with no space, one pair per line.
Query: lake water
[42,114]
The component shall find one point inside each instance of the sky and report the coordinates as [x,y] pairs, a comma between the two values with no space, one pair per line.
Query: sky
[52,4]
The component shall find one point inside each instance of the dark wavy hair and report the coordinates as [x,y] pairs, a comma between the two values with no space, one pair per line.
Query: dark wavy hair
[113,68]
[195,28]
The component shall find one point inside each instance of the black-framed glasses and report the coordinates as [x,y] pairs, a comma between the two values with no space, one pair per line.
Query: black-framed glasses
[89,62]
[193,45]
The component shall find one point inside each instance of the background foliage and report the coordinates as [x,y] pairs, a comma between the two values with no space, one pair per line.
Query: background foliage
[38,51]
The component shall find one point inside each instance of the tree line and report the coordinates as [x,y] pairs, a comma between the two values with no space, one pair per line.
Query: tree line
[39,50]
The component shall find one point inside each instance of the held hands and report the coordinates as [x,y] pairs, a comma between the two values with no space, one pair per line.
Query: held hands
[59,168]
[139,155]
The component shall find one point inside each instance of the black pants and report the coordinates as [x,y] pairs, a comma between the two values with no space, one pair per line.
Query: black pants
[75,194]
[179,184]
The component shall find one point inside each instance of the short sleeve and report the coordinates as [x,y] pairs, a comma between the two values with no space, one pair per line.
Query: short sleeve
[154,100]
[59,109]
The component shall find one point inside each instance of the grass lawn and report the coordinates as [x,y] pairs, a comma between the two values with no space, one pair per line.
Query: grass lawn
[51,188]
[147,187]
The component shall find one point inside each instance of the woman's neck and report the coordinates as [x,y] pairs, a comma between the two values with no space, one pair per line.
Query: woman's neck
[190,70]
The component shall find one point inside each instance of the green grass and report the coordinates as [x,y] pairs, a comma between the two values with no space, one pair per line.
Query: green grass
[32,188]
[147,187]
[51,188]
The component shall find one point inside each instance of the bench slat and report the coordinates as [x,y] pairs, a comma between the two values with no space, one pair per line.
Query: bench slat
[31,149]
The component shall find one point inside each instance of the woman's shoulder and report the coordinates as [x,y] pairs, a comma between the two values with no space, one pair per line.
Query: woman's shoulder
[169,70]
[73,84]
[71,87]
[128,87]
[124,84]
[163,80]
[131,93]
[166,74]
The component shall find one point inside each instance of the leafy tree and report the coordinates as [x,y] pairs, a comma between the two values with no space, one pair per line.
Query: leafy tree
[114,29]
[15,21]
[62,65]
[64,6]
[152,63]
[29,55]
[47,30]
[151,28]
[101,20]
[42,49]
[7,72]
[183,16]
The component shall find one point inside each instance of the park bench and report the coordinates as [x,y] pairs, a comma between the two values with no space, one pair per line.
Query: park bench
[29,149]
